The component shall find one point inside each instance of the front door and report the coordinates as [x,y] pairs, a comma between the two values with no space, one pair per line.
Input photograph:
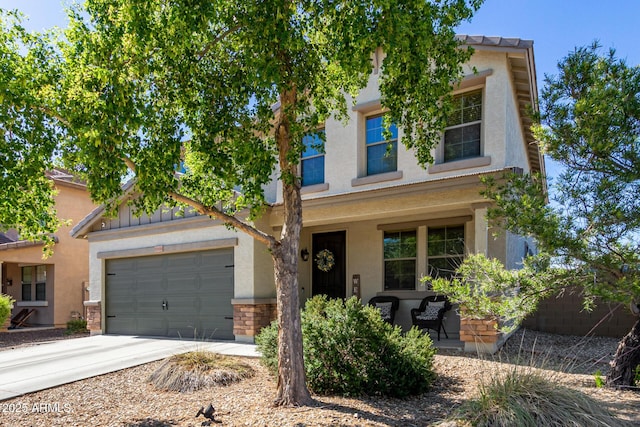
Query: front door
[329,264]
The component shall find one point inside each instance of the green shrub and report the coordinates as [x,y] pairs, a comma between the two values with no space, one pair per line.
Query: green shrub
[6,304]
[599,379]
[350,350]
[76,326]
[527,398]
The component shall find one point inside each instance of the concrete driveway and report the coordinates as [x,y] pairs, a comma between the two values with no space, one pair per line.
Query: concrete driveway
[50,364]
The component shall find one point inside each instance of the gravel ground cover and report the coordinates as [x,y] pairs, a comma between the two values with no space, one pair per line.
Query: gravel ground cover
[24,337]
[125,398]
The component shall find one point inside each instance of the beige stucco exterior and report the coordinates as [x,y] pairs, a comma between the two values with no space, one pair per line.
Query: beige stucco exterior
[67,270]
[364,207]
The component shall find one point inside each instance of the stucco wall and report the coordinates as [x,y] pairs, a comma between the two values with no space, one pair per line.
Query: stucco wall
[345,141]
[65,282]
[71,256]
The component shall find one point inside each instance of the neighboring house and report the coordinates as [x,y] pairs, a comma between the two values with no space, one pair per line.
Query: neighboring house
[385,220]
[56,286]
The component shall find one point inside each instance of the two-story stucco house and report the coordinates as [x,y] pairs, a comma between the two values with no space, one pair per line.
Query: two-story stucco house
[385,220]
[55,287]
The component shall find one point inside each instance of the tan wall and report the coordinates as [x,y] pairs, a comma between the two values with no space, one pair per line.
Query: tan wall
[65,290]
[565,316]
[502,138]
[71,255]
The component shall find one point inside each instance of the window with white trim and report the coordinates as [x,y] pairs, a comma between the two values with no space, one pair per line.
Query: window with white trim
[445,250]
[464,127]
[312,162]
[34,277]
[382,153]
[26,283]
[400,254]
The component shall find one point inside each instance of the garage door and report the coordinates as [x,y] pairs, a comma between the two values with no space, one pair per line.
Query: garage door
[185,295]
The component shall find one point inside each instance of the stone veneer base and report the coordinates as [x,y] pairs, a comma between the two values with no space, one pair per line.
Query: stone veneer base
[94,317]
[480,335]
[250,316]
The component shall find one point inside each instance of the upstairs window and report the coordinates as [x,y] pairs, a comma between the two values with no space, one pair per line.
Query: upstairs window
[312,164]
[462,135]
[400,259]
[382,154]
[445,250]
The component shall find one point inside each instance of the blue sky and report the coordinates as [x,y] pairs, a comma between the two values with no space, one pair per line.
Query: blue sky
[555,26]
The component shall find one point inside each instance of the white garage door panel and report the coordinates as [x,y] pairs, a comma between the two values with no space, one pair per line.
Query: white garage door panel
[184,295]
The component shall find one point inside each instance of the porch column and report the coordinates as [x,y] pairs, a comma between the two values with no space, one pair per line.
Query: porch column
[481,228]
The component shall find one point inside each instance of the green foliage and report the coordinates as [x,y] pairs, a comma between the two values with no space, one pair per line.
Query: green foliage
[599,379]
[267,346]
[484,288]
[31,133]
[350,350]
[530,398]
[143,77]
[636,379]
[6,304]
[590,123]
[76,326]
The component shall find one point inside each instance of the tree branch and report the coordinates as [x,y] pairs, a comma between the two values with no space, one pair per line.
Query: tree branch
[231,220]
[213,42]
[212,211]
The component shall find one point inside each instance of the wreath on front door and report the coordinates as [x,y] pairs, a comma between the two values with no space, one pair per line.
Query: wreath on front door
[325,260]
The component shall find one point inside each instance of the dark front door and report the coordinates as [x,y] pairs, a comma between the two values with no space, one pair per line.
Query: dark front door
[329,278]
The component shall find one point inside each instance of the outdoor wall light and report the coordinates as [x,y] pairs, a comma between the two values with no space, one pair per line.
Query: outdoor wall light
[304,254]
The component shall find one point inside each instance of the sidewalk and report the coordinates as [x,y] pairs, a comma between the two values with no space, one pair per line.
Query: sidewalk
[50,364]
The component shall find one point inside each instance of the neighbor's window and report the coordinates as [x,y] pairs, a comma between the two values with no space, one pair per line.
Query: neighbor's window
[462,135]
[313,159]
[34,276]
[445,251]
[26,283]
[382,154]
[41,282]
[400,260]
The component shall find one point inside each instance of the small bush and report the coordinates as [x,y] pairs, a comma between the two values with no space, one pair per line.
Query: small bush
[350,350]
[526,398]
[6,304]
[199,369]
[76,326]
[599,379]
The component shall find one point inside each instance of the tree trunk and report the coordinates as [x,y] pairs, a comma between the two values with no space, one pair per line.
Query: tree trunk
[626,359]
[292,386]
[292,382]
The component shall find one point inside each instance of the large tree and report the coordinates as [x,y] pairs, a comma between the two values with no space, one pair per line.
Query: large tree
[589,122]
[228,89]
[30,136]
